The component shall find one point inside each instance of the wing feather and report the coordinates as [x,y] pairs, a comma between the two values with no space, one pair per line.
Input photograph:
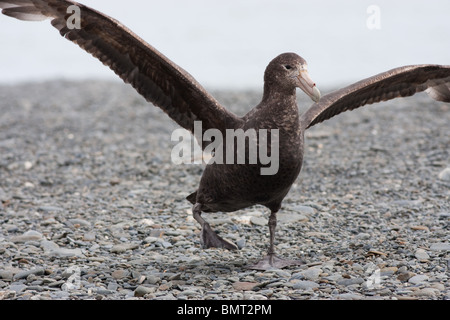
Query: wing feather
[154,76]
[399,82]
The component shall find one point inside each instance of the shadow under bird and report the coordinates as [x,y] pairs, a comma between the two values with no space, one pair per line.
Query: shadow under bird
[230,187]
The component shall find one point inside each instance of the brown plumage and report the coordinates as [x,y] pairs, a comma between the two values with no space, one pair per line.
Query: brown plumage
[229,187]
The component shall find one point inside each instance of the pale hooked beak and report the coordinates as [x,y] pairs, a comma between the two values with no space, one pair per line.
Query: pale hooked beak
[307,85]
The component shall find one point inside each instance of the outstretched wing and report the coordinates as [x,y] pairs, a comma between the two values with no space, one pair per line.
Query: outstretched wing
[153,75]
[399,82]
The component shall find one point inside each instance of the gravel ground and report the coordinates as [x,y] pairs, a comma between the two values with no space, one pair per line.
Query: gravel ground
[91,206]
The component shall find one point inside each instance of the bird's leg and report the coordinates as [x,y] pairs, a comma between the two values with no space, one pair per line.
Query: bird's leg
[272,227]
[208,237]
[271,260]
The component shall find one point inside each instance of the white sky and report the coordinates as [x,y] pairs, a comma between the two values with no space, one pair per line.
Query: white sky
[227,44]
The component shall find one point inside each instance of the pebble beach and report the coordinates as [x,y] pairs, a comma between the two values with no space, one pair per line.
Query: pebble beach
[92,207]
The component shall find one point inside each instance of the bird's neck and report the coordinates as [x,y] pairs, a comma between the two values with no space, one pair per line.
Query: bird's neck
[280,100]
[273,93]
[280,108]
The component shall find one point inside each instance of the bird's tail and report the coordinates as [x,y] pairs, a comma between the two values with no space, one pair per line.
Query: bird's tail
[192,197]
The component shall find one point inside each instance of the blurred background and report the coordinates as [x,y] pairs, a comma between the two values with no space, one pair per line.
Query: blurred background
[227,44]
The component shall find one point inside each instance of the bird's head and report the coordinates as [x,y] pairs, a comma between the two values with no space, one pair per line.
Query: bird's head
[290,71]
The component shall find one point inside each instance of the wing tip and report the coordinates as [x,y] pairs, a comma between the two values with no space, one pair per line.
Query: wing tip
[440,92]
[24,13]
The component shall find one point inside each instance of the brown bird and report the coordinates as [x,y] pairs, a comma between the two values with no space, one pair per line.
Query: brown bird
[228,187]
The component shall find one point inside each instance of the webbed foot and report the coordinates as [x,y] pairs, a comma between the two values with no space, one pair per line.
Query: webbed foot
[210,239]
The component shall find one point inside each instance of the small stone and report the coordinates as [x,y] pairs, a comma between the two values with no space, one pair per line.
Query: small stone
[165,286]
[50,209]
[120,248]
[28,185]
[114,181]
[48,245]
[311,273]
[421,254]
[176,276]
[305,285]
[281,273]
[151,239]
[259,221]
[17,287]
[425,228]
[219,221]
[53,249]
[418,279]
[49,221]
[80,222]
[188,293]
[147,222]
[388,271]
[124,204]
[408,203]
[440,246]
[241,243]
[403,269]
[120,274]
[438,286]
[363,236]
[291,217]
[444,215]
[405,276]
[25,274]
[6,275]
[320,235]
[30,235]
[349,282]
[444,174]
[10,227]
[245,286]
[166,244]
[303,209]
[425,292]
[142,291]
[334,277]
[253,296]
[66,252]
[89,236]
[112,286]
[103,291]
[349,296]
[168,296]
[376,253]
[152,279]
[60,283]
[357,267]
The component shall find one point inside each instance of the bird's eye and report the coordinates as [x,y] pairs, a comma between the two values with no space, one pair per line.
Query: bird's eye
[287,67]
